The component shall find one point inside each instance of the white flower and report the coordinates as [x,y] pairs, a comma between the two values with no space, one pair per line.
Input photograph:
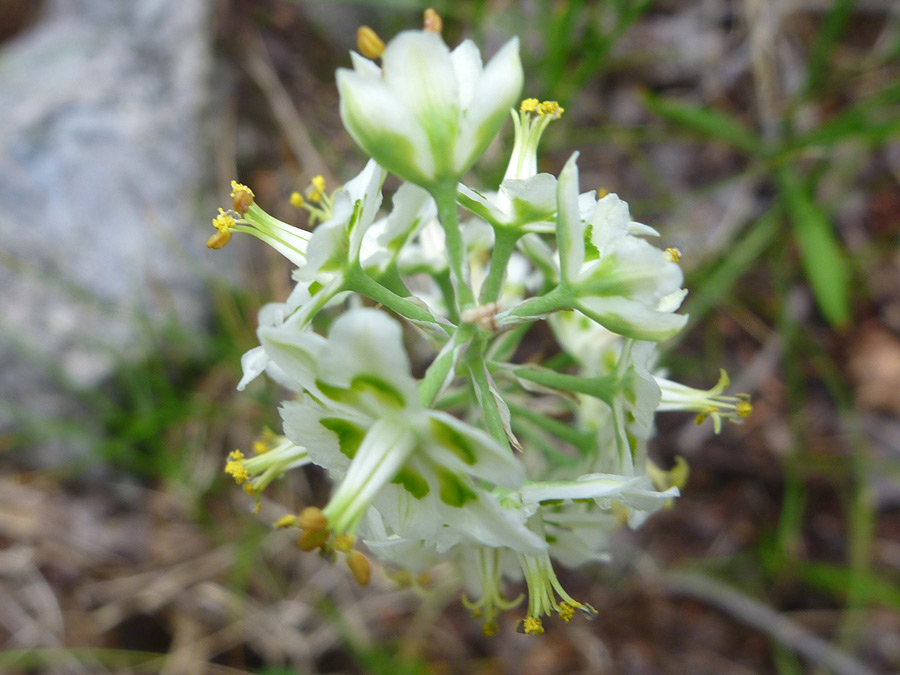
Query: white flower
[336,243]
[361,419]
[622,282]
[428,113]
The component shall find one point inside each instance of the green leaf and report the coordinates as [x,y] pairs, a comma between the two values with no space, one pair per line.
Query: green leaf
[707,122]
[821,254]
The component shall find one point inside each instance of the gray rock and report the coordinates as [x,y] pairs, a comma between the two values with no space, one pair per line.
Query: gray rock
[103,157]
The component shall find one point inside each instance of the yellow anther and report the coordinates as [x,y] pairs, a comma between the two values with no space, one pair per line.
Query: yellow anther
[529,105]
[532,625]
[297,200]
[744,408]
[318,182]
[368,43]
[673,255]
[288,520]
[265,442]
[219,240]
[551,109]
[313,520]
[566,611]
[601,193]
[490,629]
[249,489]
[360,567]
[310,540]
[432,21]
[235,467]
[344,542]
[242,196]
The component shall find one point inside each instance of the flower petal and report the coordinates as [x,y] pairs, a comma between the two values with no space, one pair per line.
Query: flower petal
[496,91]
[385,127]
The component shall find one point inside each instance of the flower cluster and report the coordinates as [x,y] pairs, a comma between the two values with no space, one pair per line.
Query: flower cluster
[499,466]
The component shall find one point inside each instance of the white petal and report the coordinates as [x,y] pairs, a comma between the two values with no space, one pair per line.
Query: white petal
[467,67]
[418,69]
[531,200]
[491,461]
[364,66]
[495,92]
[367,342]
[569,228]
[385,127]
[631,318]
[253,363]
[296,352]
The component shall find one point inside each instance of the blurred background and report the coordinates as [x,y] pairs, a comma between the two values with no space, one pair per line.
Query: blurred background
[761,137]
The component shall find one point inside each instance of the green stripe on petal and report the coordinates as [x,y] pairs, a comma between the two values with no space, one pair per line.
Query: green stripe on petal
[350,436]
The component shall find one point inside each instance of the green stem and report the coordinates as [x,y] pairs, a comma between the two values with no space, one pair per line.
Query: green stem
[604,388]
[559,298]
[489,408]
[448,215]
[442,279]
[504,347]
[439,369]
[584,441]
[362,283]
[504,245]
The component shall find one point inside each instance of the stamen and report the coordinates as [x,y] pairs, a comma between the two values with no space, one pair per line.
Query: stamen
[313,520]
[433,23]
[288,520]
[297,200]
[360,567]
[235,467]
[673,255]
[242,196]
[530,625]
[369,44]
[529,105]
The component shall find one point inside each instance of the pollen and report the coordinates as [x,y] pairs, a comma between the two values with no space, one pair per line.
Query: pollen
[369,44]
[223,222]
[264,443]
[566,611]
[432,21]
[297,200]
[744,408]
[529,105]
[601,193]
[551,109]
[532,625]
[490,628]
[673,255]
[235,467]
